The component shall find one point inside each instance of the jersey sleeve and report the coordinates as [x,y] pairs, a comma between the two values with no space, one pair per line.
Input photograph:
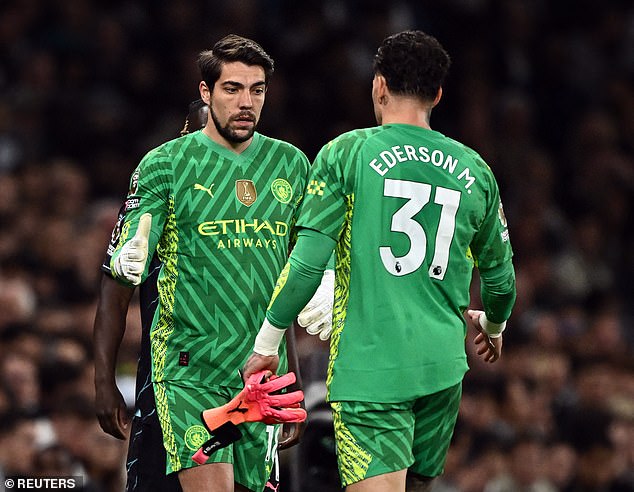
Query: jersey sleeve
[493,254]
[498,292]
[300,278]
[491,245]
[114,241]
[323,208]
[149,193]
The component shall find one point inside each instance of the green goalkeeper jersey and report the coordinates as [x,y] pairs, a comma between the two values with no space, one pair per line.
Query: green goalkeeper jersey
[221,225]
[412,212]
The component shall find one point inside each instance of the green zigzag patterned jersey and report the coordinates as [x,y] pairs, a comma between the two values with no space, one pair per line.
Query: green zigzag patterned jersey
[412,211]
[221,225]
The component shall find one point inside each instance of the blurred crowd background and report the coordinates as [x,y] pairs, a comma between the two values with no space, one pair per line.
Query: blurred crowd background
[543,90]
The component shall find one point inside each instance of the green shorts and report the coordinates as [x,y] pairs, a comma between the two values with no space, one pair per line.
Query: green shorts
[179,407]
[377,438]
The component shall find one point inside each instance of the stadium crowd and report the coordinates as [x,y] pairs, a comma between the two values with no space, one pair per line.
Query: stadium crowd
[545,96]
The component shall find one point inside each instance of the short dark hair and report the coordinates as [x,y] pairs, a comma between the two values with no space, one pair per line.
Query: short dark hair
[413,64]
[233,48]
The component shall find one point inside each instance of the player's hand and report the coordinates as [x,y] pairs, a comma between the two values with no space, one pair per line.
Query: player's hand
[130,263]
[291,434]
[261,400]
[112,411]
[490,349]
[316,317]
[256,363]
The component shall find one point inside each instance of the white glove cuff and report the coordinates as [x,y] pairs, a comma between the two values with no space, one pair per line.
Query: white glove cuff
[268,339]
[494,330]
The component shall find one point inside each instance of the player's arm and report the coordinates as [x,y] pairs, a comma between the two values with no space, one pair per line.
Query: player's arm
[321,220]
[497,289]
[109,328]
[316,317]
[295,286]
[110,319]
[492,251]
[498,292]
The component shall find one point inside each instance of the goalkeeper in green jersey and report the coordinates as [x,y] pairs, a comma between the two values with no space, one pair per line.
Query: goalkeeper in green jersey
[218,207]
[409,213]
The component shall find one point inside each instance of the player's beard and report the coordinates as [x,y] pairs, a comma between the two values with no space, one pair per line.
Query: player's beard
[229,134]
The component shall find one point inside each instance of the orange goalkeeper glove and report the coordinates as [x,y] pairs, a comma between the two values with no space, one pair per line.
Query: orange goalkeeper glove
[257,402]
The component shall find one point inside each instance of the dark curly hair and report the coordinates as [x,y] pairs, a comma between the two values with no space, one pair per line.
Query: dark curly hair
[413,64]
[233,48]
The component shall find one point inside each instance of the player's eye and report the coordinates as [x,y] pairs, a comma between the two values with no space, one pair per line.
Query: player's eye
[258,91]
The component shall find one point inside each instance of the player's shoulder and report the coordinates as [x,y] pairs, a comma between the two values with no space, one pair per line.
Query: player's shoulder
[270,143]
[171,147]
[267,141]
[467,153]
[358,135]
[352,139]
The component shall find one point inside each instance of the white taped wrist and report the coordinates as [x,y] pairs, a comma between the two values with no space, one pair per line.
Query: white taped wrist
[494,330]
[268,339]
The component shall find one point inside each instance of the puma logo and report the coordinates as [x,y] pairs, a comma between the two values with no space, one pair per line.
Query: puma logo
[238,409]
[269,485]
[198,186]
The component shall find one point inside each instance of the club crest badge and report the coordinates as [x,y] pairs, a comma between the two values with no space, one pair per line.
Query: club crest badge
[282,190]
[246,192]
[195,436]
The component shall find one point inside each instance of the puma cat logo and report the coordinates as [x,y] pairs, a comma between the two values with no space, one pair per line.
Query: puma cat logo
[208,190]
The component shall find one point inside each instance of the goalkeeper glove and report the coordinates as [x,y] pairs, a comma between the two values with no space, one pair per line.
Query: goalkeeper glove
[130,263]
[255,403]
[316,317]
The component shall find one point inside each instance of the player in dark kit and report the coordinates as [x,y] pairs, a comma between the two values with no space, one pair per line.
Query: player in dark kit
[146,453]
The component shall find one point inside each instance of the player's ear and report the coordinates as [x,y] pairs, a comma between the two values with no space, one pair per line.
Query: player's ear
[437,98]
[380,85]
[379,89]
[205,92]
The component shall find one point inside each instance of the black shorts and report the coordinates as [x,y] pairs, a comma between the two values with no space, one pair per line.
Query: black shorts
[146,454]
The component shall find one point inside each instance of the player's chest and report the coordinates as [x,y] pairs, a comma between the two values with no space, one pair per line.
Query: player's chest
[236,200]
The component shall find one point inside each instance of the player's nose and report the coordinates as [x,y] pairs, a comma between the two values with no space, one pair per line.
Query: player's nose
[245,101]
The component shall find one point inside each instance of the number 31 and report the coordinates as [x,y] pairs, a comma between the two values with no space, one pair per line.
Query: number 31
[418,195]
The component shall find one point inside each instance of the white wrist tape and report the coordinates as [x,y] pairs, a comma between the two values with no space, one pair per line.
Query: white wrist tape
[494,330]
[268,339]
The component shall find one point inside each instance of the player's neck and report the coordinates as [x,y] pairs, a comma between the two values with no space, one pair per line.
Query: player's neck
[406,112]
[236,147]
